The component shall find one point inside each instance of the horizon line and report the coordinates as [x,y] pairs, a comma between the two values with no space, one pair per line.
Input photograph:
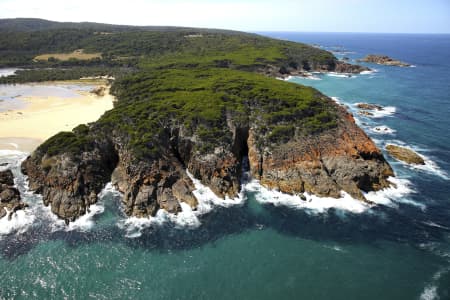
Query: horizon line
[232,29]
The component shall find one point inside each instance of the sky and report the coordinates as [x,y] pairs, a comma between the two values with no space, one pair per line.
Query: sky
[389,16]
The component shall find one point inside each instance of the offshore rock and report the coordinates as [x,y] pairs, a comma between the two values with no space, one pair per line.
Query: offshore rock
[405,154]
[9,195]
[384,60]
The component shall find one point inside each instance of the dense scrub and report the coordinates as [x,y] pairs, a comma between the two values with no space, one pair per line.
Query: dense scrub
[147,47]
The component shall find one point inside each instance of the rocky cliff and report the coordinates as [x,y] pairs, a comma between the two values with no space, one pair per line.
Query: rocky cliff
[206,121]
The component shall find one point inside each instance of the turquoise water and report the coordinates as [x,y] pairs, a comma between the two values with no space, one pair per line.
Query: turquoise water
[264,250]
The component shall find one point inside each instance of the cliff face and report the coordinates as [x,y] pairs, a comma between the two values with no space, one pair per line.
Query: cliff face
[340,159]
[70,183]
[297,140]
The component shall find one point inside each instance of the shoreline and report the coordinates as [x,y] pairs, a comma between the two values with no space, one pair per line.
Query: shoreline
[42,116]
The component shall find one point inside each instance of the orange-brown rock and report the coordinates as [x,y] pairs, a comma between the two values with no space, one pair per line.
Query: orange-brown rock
[340,159]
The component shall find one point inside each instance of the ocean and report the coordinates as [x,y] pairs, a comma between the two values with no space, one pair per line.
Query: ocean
[266,245]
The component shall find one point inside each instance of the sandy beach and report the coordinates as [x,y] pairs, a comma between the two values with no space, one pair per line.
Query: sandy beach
[43,116]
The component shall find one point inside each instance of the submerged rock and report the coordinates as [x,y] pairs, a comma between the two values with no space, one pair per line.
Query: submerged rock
[365,113]
[405,154]
[383,60]
[10,200]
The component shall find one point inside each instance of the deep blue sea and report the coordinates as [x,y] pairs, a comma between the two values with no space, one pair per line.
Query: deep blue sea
[270,247]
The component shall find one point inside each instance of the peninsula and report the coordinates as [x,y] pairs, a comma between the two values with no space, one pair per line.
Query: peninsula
[189,100]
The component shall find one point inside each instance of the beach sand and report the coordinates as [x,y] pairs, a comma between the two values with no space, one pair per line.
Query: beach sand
[44,116]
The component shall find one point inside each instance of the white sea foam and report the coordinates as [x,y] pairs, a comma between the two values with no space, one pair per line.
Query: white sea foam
[431,167]
[20,222]
[23,219]
[312,204]
[207,199]
[312,77]
[83,223]
[383,130]
[335,248]
[86,222]
[187,218]
[429,293]
[340,75]
[134,226]
[433,224]
[397,193]
[430,290]
[369,72]
[384,112]
[337,100]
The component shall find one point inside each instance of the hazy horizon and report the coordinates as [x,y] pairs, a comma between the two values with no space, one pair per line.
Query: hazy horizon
[345,16]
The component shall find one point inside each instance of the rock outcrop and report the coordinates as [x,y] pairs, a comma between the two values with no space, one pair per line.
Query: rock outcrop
[70,183]
[369,106]
[10,200]
[303,69]
[383,60]
[405,154]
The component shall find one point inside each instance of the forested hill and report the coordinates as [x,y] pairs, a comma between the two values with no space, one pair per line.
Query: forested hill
[33,25]
[92,48]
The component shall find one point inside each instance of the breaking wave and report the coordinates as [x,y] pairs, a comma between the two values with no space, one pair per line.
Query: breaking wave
[187,218]
[383,130]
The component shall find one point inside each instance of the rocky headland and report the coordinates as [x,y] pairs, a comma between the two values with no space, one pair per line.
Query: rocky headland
[383,60]
[296,139]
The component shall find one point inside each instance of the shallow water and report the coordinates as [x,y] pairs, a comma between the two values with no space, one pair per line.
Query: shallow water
[268,246]
[12,95]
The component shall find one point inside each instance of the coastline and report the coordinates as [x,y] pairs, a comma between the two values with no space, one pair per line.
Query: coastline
[43,116]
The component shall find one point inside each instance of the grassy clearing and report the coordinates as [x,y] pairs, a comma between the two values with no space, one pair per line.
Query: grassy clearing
[77,54]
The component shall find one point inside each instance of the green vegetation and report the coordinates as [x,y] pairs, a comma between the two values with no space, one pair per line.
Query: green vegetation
[68,142]
[201,99]
[166,78]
